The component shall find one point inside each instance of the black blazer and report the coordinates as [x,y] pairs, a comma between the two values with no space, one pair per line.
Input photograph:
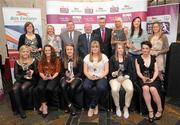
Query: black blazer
[22,41]
[114,66]
[106,45]
[83,45]
[78,70]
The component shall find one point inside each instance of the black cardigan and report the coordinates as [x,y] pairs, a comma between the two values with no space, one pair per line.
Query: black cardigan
[22,41]
[114,66]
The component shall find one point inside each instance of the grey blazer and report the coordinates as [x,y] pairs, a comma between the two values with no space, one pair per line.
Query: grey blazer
[65,39]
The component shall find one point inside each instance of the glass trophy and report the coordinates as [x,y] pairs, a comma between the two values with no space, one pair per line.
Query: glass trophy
[121,70]
[69,73]
[47,72]
[27,75]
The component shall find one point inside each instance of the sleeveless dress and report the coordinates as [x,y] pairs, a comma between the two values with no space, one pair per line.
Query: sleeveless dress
[148,71]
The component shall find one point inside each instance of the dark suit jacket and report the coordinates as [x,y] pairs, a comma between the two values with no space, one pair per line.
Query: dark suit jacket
[106,45]
[83,45]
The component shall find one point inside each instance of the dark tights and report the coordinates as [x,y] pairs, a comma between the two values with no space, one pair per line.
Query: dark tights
[20,91]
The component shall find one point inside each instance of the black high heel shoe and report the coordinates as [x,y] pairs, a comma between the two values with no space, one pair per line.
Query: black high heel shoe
[159,117]
[72,110]
[23,116]
[45,113]
[151,119]
[22,113]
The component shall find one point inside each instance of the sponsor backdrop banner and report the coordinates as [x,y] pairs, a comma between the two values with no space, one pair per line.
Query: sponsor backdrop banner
[168,15]
[59,12]
[14,20]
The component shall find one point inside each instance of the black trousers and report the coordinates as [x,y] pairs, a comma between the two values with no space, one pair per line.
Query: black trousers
[45,88]
[68,89]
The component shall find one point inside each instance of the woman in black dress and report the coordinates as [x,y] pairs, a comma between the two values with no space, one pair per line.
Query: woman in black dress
[147,71]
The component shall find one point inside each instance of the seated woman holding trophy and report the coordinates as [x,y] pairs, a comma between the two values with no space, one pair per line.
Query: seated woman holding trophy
[25,70]
[49,68]
[96,67]
[147,70]
[71,75]
[120,67]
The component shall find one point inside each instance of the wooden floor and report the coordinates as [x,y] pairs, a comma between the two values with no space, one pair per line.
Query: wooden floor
[171,116]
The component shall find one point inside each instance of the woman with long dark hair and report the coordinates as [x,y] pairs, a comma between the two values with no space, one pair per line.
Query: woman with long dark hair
[72,68]
[136,36]
[49,68]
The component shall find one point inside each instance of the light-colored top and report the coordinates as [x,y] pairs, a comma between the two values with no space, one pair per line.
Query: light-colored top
[136,41]
[55,42]
[159,48]
[95,67]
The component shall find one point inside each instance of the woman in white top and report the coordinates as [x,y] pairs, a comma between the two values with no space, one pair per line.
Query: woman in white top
[54,40]
[96,67]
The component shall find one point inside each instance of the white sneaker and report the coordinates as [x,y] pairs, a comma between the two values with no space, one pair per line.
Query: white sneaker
[96,110]
[118,112]
[126,113]
[90,112]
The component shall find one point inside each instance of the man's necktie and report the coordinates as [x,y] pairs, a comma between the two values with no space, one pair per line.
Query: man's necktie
[88,41]
[70,35]
[103,35]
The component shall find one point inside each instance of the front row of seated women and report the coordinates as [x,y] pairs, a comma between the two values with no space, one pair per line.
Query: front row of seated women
[95,67]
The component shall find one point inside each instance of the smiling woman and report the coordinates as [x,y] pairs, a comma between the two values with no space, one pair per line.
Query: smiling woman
[71,76]
[49,68]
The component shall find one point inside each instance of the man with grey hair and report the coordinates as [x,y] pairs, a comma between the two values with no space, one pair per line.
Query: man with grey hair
[85,40]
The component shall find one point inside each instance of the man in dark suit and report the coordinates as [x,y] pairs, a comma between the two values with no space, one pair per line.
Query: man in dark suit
[104,37]
[70,35]
[85,40]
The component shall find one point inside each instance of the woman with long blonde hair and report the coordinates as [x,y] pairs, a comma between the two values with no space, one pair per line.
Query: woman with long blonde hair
[160,47]
[54,40]
[120,72]
[96,68]
[25,71]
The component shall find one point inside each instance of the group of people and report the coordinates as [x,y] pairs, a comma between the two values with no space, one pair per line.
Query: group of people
[95,58]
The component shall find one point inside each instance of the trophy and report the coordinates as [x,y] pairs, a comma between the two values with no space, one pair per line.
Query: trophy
[147,74]
[47,72]
[120,72]
[69,72]
[25,67]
